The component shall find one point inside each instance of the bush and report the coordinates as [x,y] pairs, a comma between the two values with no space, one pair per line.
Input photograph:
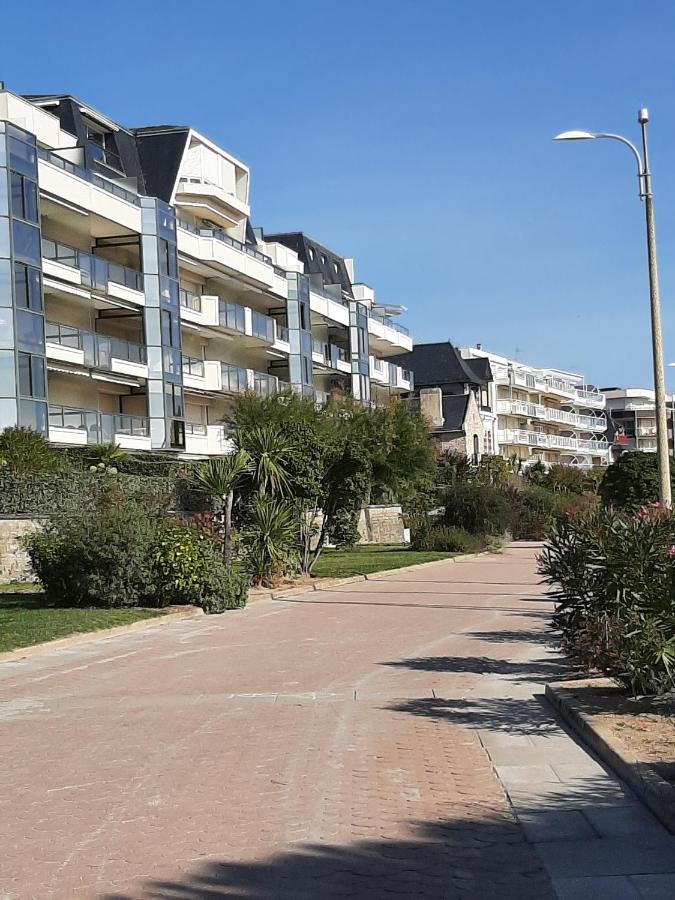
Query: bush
[613,578]
[477,508]
[191,569]
[447,540]
[631,481]
[269,539]
[25,451]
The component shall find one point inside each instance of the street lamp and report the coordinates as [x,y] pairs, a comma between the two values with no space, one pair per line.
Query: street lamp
[645,192]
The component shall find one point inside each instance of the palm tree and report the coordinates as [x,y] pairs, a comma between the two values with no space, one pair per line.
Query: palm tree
[218,477]
[269,451]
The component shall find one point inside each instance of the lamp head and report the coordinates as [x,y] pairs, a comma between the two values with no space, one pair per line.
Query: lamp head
[574,136]
[643,116]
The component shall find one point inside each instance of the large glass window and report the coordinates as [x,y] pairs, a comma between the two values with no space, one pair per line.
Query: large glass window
[22,157]
[168,264]
[6,328]
[174,401]
[7,378]
[31,376]
[33,414]
[27,287]
[24,197]
[26,241]
[30,332]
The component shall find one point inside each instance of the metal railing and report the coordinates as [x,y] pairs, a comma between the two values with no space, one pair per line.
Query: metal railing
[190,300]
[389,323]
[99,349]
[87,175]
[99,426]
[220,235]
[193,366]
[231,315]
[96,272]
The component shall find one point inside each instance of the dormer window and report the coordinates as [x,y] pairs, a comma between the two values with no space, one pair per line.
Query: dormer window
[103,146]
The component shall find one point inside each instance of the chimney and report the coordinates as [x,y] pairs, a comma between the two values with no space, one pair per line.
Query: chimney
[431,406]
[479,346]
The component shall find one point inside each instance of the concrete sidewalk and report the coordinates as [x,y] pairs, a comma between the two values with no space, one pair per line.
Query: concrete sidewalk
[387,738]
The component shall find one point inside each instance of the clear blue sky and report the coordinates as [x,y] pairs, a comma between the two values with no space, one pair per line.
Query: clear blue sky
[416,138]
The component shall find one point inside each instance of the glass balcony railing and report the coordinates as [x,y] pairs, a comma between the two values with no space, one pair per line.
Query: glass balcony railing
[99,426]
[390,323]
[96,272]
[262,326]
[322,291]
[99,349]
[265,385]
[232,316]
[193,366]
[282,333]
[195,428]
[190,300]
[109,186]
[234,379]
[219,235]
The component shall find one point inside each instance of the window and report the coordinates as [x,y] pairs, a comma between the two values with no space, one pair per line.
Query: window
[31,376]
[336,268]
[22,157]
[33,414]
[30,331]
[26,241]
[476,448]
[170,329]
[27,287]
[168,264]
[24,197]
[174,401]
[103,146]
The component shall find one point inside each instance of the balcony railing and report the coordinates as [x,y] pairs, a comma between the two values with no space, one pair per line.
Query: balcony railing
[232,316]
[99,349]
[234,378]
[389,323]
[109,186]
[262,326]
[265,385]
[193,366]
[96,272]
[220,235]
[554,441]
[282,333]
[195,428]
[324,292]
[190,300]
[100,426]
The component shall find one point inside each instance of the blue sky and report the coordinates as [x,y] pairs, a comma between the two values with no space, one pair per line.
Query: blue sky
[416,138]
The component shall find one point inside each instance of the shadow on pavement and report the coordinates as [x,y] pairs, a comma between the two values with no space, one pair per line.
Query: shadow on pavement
[480,854]
[512,716]
[518,670]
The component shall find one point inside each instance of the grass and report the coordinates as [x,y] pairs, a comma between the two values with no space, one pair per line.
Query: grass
[371,558]
[25,618]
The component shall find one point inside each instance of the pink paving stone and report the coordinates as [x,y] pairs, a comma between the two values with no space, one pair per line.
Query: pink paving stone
[311,747]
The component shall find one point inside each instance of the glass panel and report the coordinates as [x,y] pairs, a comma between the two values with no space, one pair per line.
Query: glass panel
[29,331]
[7,413]
[22,158]
[5,283]
[177,434]
[16,192]
[33,414]
[6,329]
[26,241]
[24,375]
[30,201]
[34,288]
[7,376]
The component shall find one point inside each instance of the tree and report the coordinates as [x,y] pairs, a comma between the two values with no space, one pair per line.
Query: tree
[219,477]
[631,481]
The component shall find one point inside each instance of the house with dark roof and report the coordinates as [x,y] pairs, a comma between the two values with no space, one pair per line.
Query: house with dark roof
[453,395]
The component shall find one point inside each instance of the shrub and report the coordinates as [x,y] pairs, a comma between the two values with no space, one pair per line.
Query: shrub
[477,508]
[613,578]
[269,538]
[533,512]
[631,481]
[447,540]
[25,451]
[191,569]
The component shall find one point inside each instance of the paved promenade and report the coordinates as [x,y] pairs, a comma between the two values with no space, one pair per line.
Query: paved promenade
[384,739]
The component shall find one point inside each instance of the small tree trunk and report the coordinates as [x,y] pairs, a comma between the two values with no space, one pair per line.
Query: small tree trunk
[227,527]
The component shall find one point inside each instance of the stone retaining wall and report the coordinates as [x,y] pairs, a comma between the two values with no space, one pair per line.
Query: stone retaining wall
[14,565]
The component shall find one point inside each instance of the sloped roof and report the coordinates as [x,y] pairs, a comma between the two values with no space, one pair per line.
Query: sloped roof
[436,364]
[454,408]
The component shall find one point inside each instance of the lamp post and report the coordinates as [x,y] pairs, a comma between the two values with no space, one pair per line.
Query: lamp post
[645,192]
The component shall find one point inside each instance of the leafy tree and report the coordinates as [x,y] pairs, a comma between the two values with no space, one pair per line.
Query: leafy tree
[269,537]
[218,477]
[493,470]
[631,481]
[24,451]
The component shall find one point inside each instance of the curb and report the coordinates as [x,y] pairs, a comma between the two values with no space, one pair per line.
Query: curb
[82,637]
[656,793]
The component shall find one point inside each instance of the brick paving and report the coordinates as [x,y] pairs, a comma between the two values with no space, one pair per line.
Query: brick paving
[326,746]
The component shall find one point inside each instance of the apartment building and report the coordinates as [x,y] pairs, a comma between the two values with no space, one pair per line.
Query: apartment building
[137,300]
[632,419]
[543,414]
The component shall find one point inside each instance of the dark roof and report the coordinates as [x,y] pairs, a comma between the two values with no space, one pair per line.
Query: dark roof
[480,366]
[454,411]
[317,259]
[437,364]
[160,152]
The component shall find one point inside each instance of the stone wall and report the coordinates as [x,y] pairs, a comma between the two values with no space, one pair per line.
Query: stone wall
[14,565]
[381,525]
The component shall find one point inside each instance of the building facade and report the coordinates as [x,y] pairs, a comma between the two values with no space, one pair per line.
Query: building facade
[631,416]
[548,414]
[137,300]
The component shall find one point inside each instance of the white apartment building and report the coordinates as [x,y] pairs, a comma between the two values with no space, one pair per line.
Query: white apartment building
[543,414]
[632,419]
[137,300]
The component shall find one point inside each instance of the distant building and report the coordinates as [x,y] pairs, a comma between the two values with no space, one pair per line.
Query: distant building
[632,419]
[453,396]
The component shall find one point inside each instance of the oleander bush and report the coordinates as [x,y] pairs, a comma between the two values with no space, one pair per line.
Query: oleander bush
[612,575]
[480,509]
[632,481]
[445,539]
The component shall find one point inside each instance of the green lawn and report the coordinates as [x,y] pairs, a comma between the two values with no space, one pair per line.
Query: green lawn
[371,558]
[26,620]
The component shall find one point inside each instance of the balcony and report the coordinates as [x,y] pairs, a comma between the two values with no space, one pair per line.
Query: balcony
[386,373]
[96,351]
[547,384]
[549,414]
[207,440]
[237,380]
[81,268]
[387,336]
[552,441]
[330,356]
[330,306]
[76,427]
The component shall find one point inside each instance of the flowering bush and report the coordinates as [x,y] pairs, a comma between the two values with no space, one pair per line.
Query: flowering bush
[613,578]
